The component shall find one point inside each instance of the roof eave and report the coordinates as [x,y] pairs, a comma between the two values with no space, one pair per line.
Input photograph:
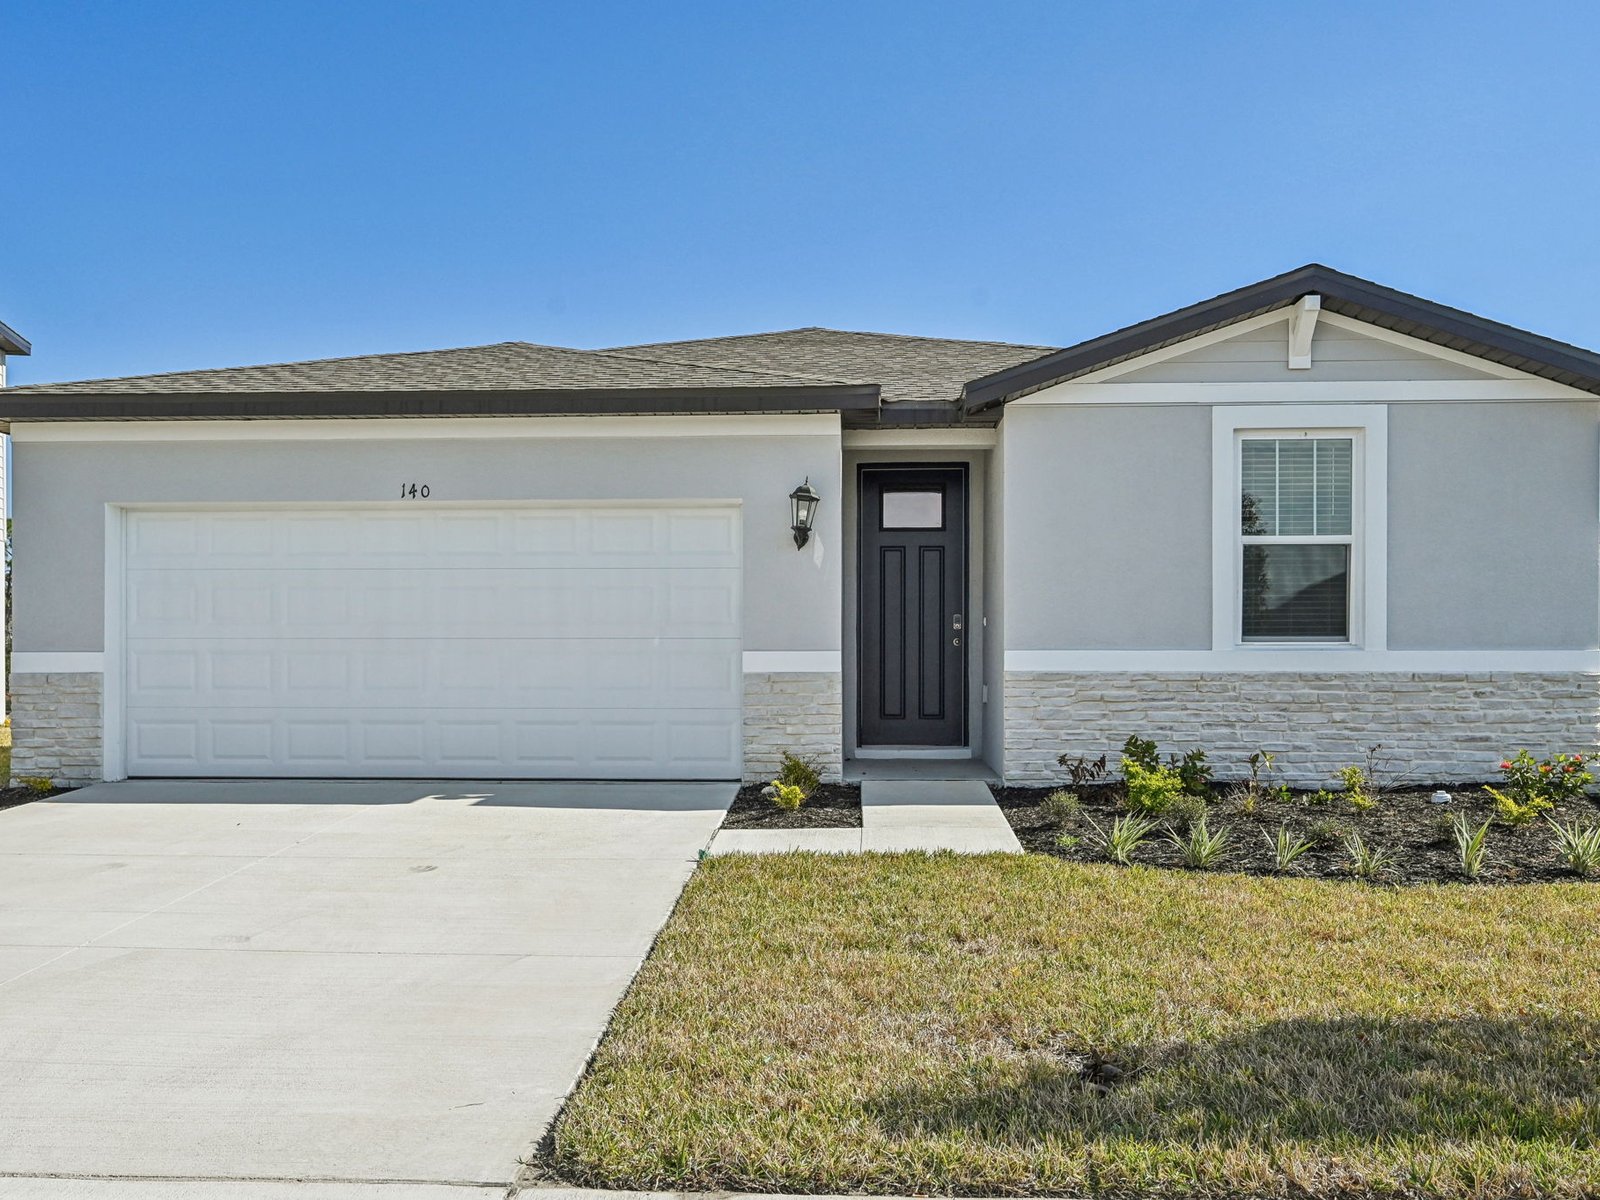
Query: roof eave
[12,342]
[1348,294]
[99,406]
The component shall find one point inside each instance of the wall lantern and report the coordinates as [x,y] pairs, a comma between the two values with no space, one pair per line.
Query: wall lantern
[802,511]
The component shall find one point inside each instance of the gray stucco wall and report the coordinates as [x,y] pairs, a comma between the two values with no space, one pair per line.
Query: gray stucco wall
[791,600]
[1107,527]
[1494,539]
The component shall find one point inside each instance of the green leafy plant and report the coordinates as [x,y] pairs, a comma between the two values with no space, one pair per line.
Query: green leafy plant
[39,785]
[1243,798]
[1150,789]
[1061,808]
[1068,841]
[1321,796]
[1282,793]
[1471,844]
[1193,771]
[1534,786]
[1140,751]
[1127,834]
[1185,810]
[1357,788]
[1202,848]
[1286,847]
[799,772]
[1367,862]
[787,796]
[1084,771]
[1579,847]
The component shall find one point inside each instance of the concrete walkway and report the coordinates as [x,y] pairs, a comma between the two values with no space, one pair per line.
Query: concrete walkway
[257,989]
[955,815]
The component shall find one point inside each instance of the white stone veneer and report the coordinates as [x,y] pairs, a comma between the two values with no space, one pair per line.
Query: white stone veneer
[1432,728]
[798,711]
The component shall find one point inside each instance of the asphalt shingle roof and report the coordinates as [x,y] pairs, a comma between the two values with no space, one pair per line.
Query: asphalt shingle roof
[916,369]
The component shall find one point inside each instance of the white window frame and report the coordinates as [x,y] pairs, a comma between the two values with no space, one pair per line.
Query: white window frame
[1367,426]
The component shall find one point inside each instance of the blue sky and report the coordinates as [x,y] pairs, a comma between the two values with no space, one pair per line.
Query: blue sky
[210,184]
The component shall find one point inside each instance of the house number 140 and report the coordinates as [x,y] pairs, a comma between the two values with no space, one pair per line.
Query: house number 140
[413,491]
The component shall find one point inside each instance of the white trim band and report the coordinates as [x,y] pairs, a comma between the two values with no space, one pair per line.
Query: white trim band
[377,429]
[57,662]
[1331,661]
[777,661]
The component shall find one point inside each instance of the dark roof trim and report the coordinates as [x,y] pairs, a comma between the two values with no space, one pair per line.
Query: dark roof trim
[239,406]
[12,342]
[1347,295]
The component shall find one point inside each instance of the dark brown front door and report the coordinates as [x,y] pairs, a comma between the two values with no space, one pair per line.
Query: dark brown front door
[912,636]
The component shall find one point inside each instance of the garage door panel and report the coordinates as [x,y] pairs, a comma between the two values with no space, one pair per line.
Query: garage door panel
[465,539]
[430,603]
[487,744]
[478,643]
[378,673]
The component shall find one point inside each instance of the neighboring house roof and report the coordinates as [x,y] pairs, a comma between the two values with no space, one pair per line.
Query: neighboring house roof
[917,370]
[12,342]
[1347,295]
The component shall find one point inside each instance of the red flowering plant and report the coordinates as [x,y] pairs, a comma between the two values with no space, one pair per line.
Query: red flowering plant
[1534,786]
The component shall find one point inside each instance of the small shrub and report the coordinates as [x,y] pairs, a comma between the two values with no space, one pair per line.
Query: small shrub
[1068,841]
[1471,845]
[39,785]
[1202,848]
[1243,799]
[787,796]
[1579,847]
[1367,862]
[1327,832]
[1140,751]
[1062,808]
[1286,847]
[1535,786]
[1127,834]
[1185,811]
[1084,771]
[1443,828]
[1357,788]
[800,773]
[1192,771]
[1282,793]
[1150,790]
[1321,796]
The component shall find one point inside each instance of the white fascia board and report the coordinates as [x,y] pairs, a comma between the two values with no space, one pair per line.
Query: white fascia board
[1151,357]
[1314,661]
[920,439]
[1399,391]
[411,428]
[792,661]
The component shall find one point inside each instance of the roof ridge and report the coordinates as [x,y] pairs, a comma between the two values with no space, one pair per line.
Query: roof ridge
[689,362]
[909,337]
[293,362]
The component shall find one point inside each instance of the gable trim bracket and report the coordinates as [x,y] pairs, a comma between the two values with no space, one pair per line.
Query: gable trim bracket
[1302,325]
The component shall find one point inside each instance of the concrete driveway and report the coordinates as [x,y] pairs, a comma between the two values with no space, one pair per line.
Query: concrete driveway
[317,981]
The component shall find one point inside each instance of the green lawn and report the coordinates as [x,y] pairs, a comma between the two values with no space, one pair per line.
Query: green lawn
[907,1023]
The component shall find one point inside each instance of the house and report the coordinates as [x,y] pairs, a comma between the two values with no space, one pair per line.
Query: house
[1313,515]
[11,342]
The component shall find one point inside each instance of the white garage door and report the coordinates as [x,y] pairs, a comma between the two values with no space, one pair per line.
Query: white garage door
[553,642]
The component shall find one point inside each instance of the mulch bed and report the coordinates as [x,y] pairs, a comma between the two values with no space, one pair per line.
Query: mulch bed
[11,797]
[831,806]
[1406,823]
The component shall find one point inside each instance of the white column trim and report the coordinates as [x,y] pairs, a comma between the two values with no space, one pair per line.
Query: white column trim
[56,662]
[1326,661]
